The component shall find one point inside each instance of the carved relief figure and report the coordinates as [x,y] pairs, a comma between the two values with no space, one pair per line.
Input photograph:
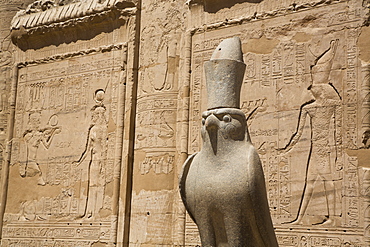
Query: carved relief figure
[33,137]
[95,152]
[159,48]
[324,113]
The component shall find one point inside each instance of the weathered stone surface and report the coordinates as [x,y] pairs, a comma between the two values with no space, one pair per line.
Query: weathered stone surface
[281,54]
[305,94]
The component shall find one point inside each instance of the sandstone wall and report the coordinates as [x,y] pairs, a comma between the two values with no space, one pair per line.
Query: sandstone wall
[101,103]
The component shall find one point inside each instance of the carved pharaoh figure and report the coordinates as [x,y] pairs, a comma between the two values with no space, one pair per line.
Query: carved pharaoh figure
[33,137]
[324,112]
[223,186]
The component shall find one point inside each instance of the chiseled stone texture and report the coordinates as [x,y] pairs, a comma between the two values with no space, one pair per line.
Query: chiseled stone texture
[305,95]
[67,104]
[155,196]
[101,101]
[8,9]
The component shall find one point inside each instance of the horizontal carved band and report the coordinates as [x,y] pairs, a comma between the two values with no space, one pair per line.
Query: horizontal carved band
[69,23]
[121,46]
[35,15]
[261,15]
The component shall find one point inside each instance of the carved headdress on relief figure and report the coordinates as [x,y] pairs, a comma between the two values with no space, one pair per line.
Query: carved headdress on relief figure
[94,157]
[324,160]
[320,71]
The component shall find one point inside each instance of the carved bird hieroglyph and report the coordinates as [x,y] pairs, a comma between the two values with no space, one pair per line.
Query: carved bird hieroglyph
[223,186]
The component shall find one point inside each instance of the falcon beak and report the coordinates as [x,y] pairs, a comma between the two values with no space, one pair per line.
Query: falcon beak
[212,125]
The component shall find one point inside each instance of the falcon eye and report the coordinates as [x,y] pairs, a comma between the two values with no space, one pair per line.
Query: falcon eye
[227,118]
[203,121]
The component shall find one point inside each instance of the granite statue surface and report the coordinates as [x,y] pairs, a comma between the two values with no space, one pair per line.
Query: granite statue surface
[223,186]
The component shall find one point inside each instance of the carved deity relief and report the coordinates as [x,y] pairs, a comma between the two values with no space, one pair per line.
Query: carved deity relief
[65,140]
[96,155]
[159,48]
[325,154]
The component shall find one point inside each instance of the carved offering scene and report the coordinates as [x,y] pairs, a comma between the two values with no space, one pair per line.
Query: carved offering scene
[64,146]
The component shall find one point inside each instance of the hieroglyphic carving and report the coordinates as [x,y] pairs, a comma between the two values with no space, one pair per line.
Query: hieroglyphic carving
[150,217]
[278,101]
[366,202]
[159,48]
[349,15]
[5,76]
[5,69]
[350,94]
[78,169]
[324,241]
[195,102]
[73,234]
[286,240]
[331,238]
[156,119]
[365,108]
[351,193]
[156,123]
[159,164]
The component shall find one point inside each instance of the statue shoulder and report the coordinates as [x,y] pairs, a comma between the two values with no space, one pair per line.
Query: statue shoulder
[185,168]
[183,176]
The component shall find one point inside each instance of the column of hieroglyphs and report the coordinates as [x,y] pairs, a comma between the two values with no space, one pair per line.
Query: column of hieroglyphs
[155,169]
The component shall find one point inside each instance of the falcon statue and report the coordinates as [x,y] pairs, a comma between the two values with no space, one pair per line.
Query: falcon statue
[223,186]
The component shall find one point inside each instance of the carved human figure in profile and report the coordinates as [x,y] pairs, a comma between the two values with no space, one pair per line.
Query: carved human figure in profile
[324,112]
[95,152]
[33,137]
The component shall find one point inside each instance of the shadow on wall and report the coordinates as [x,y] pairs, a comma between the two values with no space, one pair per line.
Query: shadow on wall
[66,34]
[212,6]
[45,23]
